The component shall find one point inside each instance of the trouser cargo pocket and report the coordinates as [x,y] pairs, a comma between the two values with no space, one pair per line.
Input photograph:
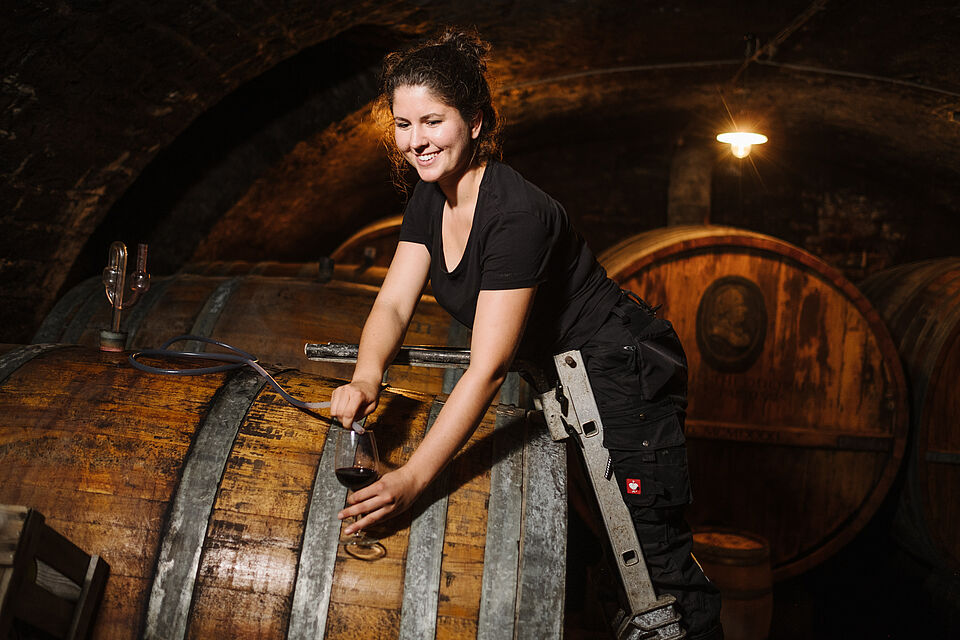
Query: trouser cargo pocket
[661,362]
[638,374]
[652,479]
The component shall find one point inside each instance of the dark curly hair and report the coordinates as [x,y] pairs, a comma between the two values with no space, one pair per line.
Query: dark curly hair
[453,66]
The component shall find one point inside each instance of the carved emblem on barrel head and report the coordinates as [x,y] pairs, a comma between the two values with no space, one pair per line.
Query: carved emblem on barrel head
[731,323]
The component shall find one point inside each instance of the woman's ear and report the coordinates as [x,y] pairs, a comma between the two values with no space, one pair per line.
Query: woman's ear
[476,125]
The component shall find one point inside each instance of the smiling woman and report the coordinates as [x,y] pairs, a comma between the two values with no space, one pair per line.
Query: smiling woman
[503,258]
[461,92]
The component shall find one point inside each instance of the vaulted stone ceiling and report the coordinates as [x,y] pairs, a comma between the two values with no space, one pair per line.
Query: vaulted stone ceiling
[239,130]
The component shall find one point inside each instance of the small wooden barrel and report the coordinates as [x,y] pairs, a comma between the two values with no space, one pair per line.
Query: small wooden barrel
[215,502]
[921,305]
[373,245]
[798,409]
[738,562]
[268,309]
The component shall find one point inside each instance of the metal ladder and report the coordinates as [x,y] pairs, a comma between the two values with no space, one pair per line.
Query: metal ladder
[571,411]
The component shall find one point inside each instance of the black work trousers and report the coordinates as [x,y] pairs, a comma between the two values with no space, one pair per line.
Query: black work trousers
[638,372]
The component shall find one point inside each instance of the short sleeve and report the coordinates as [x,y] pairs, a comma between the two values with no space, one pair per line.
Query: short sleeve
[516,250]
[416,224]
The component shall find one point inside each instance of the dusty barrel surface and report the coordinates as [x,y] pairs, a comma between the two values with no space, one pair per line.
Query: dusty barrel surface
[738,562]
[268,309]
[921,304]
[798,410]
[214,502]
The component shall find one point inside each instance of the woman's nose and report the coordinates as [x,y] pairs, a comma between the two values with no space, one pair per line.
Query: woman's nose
[418,139]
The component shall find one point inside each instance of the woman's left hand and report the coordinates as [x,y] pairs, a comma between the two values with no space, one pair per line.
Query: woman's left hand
[389,496]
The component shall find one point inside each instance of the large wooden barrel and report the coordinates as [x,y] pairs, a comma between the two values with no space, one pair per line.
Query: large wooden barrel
[214,503]
[798,407]
[268,309]
[921,305]
[373,245]
[322,271]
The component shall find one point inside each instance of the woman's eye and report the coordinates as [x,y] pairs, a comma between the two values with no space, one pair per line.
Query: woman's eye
[402,125]
[433,123]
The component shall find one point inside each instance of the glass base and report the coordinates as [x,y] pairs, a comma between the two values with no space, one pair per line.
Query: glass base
[364,548]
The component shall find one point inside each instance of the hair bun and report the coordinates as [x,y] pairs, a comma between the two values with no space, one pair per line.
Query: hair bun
[468,43]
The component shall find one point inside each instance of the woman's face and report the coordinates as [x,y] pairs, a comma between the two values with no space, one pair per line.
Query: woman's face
[432,135]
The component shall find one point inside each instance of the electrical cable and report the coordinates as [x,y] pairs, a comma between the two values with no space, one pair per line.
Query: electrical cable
[236,359]
[770,47]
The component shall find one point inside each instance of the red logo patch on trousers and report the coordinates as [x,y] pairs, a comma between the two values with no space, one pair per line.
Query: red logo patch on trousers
[633,486]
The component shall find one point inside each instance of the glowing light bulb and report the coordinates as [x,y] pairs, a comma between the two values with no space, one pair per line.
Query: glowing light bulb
[741,141]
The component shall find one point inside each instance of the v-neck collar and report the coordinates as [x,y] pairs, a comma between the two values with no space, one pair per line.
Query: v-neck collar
[473,224]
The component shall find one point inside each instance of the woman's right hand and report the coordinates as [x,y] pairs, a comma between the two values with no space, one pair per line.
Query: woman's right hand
[354,401]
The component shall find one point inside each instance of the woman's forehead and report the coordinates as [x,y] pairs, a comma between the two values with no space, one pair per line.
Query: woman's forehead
[418,98]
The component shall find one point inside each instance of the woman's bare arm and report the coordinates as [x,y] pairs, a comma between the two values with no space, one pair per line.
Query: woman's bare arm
[383,332]
[498,326]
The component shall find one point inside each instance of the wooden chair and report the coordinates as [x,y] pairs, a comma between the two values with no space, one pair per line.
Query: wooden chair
[46,581]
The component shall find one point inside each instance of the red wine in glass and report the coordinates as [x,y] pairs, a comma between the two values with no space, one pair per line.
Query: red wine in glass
[357,464]
[354,478]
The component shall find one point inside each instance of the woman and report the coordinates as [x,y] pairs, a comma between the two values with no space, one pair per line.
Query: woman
[501,256]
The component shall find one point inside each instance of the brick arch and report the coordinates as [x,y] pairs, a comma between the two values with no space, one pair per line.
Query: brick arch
[95,91]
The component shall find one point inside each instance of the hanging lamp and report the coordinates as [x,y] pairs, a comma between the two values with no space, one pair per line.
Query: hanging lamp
[741,141]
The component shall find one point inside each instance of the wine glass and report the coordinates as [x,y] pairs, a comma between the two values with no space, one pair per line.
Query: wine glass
[357,464]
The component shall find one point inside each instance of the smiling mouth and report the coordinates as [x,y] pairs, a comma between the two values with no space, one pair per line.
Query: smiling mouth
[427,157]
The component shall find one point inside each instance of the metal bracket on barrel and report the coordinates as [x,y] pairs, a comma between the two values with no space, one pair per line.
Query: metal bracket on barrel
[571,410]
[440,357]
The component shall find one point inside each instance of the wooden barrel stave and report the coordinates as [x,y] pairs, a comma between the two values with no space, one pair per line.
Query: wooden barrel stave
[112,491]
[818,418]
[939,463]
[921,304]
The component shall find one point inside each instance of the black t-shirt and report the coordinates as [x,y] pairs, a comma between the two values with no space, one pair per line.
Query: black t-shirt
[520,237]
